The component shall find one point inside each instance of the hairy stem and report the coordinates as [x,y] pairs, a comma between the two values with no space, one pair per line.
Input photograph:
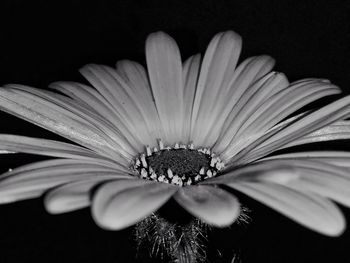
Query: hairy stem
[181,243]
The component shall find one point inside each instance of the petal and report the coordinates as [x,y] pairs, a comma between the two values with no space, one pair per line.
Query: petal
[312,211]
[85,114]
[248,104]
[190,78]
[243,80]
[122,203]
[91,99]
[279,106]
[262,171]
[122,98]
[165,73]
[32,180]
[135,76]
[212,205]
[331,113]
[74,195]
[216,72]
[287,101]
[56,119]
[339,130]
[318,176]
[337,158]
[22,144]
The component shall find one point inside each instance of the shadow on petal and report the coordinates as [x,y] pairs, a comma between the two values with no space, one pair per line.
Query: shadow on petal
[121,203]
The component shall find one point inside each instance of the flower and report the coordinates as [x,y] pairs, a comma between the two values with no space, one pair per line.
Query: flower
[181,130]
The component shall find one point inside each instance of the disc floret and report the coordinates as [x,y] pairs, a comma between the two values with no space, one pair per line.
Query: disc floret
[179,165]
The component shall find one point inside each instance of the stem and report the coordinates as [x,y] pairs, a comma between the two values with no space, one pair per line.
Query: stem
[181,243]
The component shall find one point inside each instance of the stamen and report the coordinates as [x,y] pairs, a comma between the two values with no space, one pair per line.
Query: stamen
[209,173]
[213,162]
[180,165]
[161,145]
[183,146]
[143,160]
[170,173]
[144,173]
[176,180]
[148,150]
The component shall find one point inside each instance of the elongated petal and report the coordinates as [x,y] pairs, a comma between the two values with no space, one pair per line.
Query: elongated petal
[339,130]
[109,83]
[337,158]
[262,171]
[60,121]
[23,144]
[190,78]
[82,113]
[281,105]
[216,72]
[288,101]
[165,73]
[135,76]
[89,98]
[212,205]
[255,140]
[317,175]
[329,114]
[74,195]
[244,77]
[312,211]
[250,101]
[122,203]
[30,181]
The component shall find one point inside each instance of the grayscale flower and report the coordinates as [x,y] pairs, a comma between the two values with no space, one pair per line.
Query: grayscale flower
[181,130]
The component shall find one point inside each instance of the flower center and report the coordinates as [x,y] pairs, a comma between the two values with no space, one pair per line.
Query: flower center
[179,165]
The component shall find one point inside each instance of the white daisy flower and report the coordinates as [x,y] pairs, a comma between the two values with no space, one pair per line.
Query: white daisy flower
[180,130]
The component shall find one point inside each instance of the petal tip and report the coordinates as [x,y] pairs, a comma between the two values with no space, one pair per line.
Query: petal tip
[159,36]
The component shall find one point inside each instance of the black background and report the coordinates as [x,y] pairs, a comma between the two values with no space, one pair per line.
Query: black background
[45,41]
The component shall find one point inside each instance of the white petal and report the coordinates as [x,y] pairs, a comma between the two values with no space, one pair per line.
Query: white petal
[215,77]
[312,211]
[243,80]
[331,113]
[212,205]
[23,144]
[72,196]
[91,99]
[263,171]
[136,77]
[248,104]
[58,120]
[112,135]
[122,203]
[339,130]
[318,176]
[165,73]
[279,106]
[32,180]
[288,101]
[190,77]
[113,88]
[337,158]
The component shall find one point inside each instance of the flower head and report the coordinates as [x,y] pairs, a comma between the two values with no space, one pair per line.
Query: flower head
[181,130]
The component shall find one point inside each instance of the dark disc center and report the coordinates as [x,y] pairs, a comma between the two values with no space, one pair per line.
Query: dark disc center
[182,162]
